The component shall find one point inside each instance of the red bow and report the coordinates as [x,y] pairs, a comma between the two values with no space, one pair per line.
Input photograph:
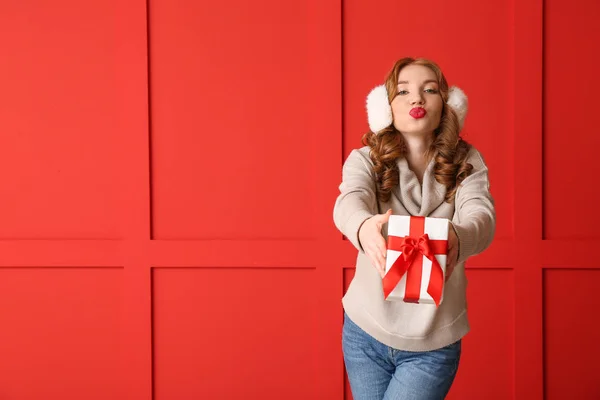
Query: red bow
[410,262]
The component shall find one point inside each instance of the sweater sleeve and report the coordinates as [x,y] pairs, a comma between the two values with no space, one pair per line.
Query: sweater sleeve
[475,216]
[357,199]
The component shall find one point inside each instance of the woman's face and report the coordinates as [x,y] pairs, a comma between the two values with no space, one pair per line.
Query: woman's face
[417,108]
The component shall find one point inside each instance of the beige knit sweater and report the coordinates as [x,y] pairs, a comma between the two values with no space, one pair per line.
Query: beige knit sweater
[407,326]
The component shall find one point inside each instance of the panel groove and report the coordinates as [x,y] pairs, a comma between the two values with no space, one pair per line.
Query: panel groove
[528,200]
[149,121]
[542,122]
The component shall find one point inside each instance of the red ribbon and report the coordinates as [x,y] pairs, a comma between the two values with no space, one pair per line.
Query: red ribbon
[410,262]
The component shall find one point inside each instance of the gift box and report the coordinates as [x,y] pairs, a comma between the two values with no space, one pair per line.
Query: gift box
[415,268]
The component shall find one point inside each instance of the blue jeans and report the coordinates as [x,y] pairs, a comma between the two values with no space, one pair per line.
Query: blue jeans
[379,372]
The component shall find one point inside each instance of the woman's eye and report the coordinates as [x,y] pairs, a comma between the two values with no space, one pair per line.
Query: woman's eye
[431,91]
[403,92]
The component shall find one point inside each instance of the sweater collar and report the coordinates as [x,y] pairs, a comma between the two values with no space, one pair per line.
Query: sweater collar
[417,199]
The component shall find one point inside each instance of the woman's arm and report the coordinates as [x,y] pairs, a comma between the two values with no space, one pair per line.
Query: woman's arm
[357,200]
[474,216]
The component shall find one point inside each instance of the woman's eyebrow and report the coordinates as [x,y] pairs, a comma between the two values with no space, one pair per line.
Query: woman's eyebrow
[427,81]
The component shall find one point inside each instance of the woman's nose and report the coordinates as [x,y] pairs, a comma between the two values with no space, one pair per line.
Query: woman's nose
[416,99]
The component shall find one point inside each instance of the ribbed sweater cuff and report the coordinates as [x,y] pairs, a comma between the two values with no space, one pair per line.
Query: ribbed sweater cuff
[467,243]
[353,224]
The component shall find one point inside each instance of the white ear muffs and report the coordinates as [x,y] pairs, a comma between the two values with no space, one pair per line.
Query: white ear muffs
[379,110]
[457,99]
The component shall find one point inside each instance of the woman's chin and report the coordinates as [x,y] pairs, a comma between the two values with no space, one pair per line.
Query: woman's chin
[416,131]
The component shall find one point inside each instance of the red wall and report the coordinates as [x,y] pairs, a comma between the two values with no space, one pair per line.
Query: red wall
[169,176]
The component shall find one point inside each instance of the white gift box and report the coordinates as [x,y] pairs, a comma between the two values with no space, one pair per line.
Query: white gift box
[406,232]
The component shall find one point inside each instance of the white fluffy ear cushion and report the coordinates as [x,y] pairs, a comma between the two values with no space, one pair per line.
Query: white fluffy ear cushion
[459,102]
[379,111]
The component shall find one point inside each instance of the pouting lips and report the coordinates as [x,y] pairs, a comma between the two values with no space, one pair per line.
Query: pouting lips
[417,112]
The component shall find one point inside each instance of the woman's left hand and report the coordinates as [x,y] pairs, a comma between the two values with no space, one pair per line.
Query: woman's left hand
[453,246]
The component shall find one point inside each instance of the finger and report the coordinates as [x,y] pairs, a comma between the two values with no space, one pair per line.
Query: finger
[382,255]
[452,251]
[381,261]
[449,272]
[454,257]
[375,258]
[379,268]
[385,217]
[374,262]
[451,260]
[450,263]
[381,244]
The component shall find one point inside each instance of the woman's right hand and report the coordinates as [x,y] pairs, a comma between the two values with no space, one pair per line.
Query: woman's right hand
[372,240]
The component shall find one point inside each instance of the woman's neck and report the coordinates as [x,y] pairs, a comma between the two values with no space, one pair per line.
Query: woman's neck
[417,144]
[417,153]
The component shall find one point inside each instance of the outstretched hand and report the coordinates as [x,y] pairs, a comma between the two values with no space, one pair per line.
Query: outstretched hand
[372,240]
[453,246]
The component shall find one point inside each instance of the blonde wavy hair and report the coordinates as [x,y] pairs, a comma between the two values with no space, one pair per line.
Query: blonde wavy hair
[448,148]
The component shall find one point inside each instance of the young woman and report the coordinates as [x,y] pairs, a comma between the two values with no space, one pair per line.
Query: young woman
[413,163]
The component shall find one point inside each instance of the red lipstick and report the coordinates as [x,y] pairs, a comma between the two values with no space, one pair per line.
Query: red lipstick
[417,112]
